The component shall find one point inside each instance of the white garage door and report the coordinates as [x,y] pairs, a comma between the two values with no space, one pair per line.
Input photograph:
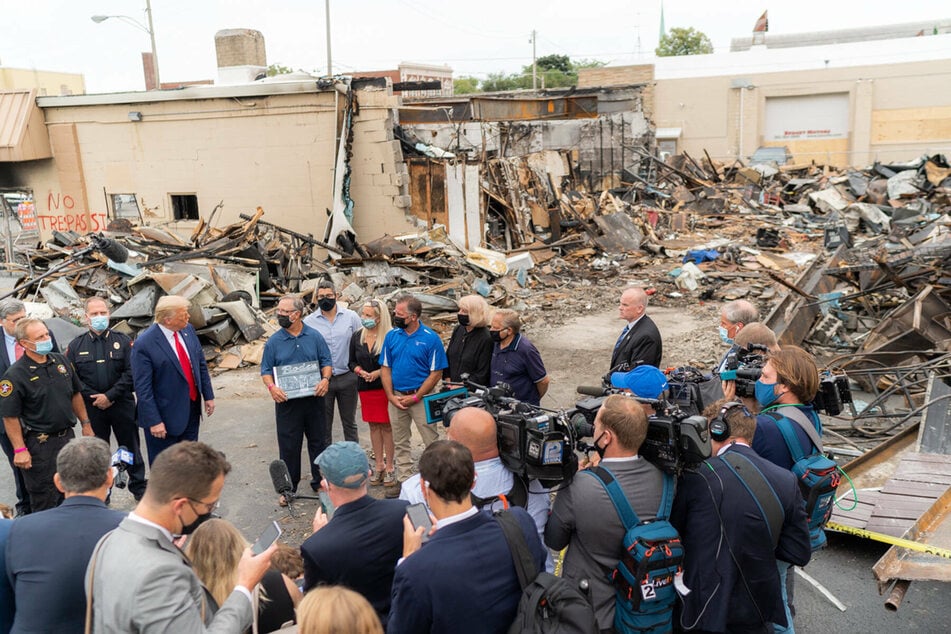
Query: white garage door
[807,117]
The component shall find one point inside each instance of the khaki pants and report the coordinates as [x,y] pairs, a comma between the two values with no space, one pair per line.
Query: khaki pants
[401,422]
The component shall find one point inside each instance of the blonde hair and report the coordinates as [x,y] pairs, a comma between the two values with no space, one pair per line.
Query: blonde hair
[336,610]
[479,312]
[168,305]
[215,548]
[383,323]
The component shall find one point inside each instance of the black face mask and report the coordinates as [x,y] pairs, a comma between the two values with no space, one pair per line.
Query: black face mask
[496,335]
[326,303]
[399,322]
[463,319]
[598,448]
[188,529]
[283,321]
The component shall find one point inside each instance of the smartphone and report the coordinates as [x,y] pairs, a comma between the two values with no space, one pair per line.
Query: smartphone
[326,505]
[267,537]
[419,516]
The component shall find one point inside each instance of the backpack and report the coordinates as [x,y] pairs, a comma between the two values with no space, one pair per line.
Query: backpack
[817,474]
[517,496]
[549,604]
[643,579]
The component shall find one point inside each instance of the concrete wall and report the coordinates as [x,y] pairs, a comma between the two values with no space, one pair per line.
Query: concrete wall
[46,82]
[897,111]
[274,151]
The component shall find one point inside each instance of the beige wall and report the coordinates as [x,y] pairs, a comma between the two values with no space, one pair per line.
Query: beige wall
[897,112]
[275,151]
[46,82]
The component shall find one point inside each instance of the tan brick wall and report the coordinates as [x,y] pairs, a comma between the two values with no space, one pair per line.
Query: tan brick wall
[615,76]
[240,47]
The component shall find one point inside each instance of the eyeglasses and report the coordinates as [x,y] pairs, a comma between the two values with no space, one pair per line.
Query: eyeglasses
[287,313]
[210,506]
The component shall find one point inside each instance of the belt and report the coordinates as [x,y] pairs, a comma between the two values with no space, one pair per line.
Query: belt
[406,392]
[43,436]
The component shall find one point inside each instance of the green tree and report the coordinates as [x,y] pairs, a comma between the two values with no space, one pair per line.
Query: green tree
[277,69]
[498,82]
[465,85]
[554,62]
[684,42]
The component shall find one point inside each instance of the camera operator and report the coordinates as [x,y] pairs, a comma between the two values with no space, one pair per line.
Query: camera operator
[758,334]
[584,518]
[496,487]
[730,552]
[790,379]
[515,359]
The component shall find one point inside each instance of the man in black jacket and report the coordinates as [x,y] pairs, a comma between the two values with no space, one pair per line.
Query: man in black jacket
[639,343]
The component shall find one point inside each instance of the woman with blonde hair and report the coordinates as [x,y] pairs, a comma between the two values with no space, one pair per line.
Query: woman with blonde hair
[336,610]
[215,548]
[365,348]
[469,350]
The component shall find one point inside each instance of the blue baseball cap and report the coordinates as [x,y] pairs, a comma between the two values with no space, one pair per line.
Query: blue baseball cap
[645,381]
[344,464]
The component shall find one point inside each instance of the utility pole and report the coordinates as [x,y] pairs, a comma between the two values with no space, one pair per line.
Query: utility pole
[155,67]
[534,64]
[330,68]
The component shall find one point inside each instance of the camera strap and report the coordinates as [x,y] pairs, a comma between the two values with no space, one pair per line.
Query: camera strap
[759,489]
[793,413]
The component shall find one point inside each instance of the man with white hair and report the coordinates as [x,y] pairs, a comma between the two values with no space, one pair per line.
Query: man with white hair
[640,342]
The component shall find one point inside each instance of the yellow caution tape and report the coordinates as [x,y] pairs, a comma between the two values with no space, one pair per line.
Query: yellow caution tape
[888,539]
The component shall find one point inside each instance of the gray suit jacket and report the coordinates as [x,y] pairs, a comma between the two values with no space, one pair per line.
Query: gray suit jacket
[143,583]
[584,519]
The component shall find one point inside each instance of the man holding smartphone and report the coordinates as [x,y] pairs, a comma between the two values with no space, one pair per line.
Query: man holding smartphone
[360,546]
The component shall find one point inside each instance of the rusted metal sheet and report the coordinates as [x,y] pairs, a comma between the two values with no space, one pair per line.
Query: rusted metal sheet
[526,109]
[931,529]
[427,190]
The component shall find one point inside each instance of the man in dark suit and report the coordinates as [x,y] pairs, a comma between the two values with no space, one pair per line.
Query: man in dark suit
[47,552]
[730,547]
[6,590]
[170,377]
[463,579]
[639,342]
[360,546]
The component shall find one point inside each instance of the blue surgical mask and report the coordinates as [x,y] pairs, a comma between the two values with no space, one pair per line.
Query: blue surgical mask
[44,347]
[724,336]
[368,323]
[99,323]
[765,393]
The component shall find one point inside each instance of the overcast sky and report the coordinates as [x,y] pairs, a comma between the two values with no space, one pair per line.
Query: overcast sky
[474,38]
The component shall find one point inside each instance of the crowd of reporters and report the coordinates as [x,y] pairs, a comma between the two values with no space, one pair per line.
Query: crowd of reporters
[368,567]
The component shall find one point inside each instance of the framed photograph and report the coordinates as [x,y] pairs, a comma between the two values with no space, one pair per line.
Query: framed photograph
[298,379]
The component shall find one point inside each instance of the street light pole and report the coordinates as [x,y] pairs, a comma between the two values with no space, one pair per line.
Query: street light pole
[155,67]
[330,68]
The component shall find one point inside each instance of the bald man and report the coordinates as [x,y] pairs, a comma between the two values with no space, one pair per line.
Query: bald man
[640,342]
[495,486]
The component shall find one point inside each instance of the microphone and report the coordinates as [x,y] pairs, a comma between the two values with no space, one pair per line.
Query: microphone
[110,248]
[122,461]
[590,390]
[281,479]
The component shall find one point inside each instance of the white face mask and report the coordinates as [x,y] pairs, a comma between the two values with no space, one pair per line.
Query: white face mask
[725,336]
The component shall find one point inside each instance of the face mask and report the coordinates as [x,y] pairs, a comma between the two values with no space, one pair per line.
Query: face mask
[463,319]
[724,336]
[99,323]
[368,323]
[283,321]
[43,347]
[496,335]
[188,529]
[765,393]
[326,303]
[399,322]
[597,448]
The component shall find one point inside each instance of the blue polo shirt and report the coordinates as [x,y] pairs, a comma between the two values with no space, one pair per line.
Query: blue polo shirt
[283,348]
[520,365]
[336,334]
[412,357]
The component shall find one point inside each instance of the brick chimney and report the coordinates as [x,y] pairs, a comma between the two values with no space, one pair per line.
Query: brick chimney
[241,56]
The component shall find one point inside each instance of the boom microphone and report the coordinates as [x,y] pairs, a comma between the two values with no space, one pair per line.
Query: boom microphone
[590,390]
[110,248]
[281,478]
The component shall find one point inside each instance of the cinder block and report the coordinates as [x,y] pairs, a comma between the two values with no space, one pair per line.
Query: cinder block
[403,201]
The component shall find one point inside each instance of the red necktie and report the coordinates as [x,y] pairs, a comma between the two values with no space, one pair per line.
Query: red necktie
[18,350]
[186,368]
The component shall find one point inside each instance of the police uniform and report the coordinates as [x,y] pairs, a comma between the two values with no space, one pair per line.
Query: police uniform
[40,395]
[103,364]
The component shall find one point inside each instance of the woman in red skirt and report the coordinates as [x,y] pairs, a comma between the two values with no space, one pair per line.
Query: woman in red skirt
[365,363]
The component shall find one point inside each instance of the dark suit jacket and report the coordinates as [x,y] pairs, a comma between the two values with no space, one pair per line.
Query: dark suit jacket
[47,554]
[641,346]
[713,505]
[160,384]
[462,580]
[358,549]
[6,589]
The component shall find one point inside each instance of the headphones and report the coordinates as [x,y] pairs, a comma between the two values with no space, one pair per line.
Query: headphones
[719,427]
